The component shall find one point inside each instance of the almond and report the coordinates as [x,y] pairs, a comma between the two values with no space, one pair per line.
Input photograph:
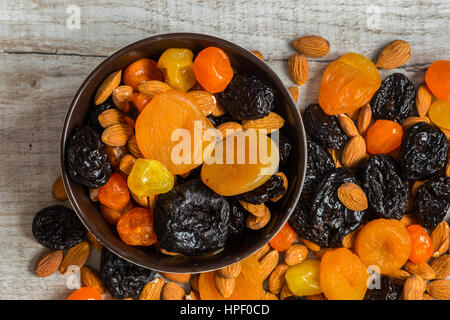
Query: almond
[354,152]
[231,271]
[441,266]
[298,68]
[310,245]
[439,289]
[93,194]
[258,54]
[312,46]
[427,297]
[349,240]
[117,135]
[59,191]
[394,55]
[110,117]
[126,163]
[295,254]
[107,87]
[206,101]
[410,121]
[120,96]
[277,279]
[286,292]
[172,291]
[75,256]
[294,93]
[269,296]
[354,114]
[407,220]
[268,263]
[115,154]
[177,277]
[285,186]
[255,223]
[225,286]
[95,243]
[422,269]
[153,87]
[228,129]
[262,252]
[192,296]
[258,210]
[414,288]
[271,123]
[152,290]
[133,147]
[399,276]
[352,196]
[91,278]
[440,239]
[218,111]
[364,119]
[48,263]
[423,100]
[347,125]
[336,156]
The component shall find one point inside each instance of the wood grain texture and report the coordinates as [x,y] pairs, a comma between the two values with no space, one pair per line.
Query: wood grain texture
[42,64]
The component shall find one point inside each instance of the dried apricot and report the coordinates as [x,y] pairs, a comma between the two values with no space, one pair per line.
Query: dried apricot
[212,69]
[437,79]
[384,136]
[114,194]
[284,238]
[135,227]
[421,244]
[176,65]
[342,275]
[86,293]
[439,113]
[112,215]
[141,71]
[384,243]
[149,177]
[303,279]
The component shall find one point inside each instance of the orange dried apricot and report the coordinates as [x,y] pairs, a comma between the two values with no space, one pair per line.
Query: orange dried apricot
[112,215]
[173,130]
[421,244]
[135,227]
[437,79]
[176,65]
[348,83]
[141,71]
[342,275]
[212,69]
[384,136]
[284,238]
[384,243]
[114,193]
[439,113]
[86,293]
[249,283]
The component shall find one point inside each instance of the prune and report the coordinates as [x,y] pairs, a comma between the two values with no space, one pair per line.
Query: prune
[191,219]
[270,189]
[122,278]
[323,219]
[236,225]
[394,100]
[323,128]
[87,159]
[318,164]
[423,151]
[95,111]
[432,201]
[385,190]
[193,174]
[247,97]
[284,145]
[388,291]
[58,228]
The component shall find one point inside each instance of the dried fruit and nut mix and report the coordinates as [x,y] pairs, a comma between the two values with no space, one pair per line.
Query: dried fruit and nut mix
[375,195]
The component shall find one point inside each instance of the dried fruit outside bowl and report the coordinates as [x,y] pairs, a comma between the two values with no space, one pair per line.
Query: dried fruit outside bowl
[241,60]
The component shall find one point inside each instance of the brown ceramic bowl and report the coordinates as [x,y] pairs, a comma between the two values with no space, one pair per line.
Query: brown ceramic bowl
[242,61]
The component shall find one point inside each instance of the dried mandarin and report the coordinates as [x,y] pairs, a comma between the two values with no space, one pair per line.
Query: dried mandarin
[212,69]
[86,293]
[114,194]
[439,113]
[384,243]
[384,136]
[303,279]
[135,227]
[284,238]
[149,177]
[141,71]
[176,65]
[342,275]
[437,79]
[348,83]
[421,244]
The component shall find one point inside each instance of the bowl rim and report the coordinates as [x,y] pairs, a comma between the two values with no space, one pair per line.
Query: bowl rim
[287,99]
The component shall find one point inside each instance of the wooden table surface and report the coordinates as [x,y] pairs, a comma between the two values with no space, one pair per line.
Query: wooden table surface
[45,55]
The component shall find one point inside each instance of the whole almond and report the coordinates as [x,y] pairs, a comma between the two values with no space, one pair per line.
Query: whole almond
[440,239]
[422,269]
[231,271]
[152,290]
[93,194]
[133,147]
[258,210]
[271,123]
[110,117]
[48,263]
[354,114]
[120,96]
[312,46]
[399,276]
[347,125]
[285,186]
[59,191]
[286,292]
[412,120]
[441,266]
[407,220]
[126,163]
[394,55]
[258,54]
[352,196]
[262,252]
[177,277]
[117,135]
[91,278]
[298,68]
[364,119]
[439,289]
[218,110]
[269,296]
[205,100]
[107,87]
[95,243]
[310,245]
[277,279]
[423,100]
[255,223]
[153,87]
[230,128]
[295,254]
[225,286]
[354,152]
[172,291]
[268,263]
[336,155]
[75,256]
[414,288]
[294,93]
